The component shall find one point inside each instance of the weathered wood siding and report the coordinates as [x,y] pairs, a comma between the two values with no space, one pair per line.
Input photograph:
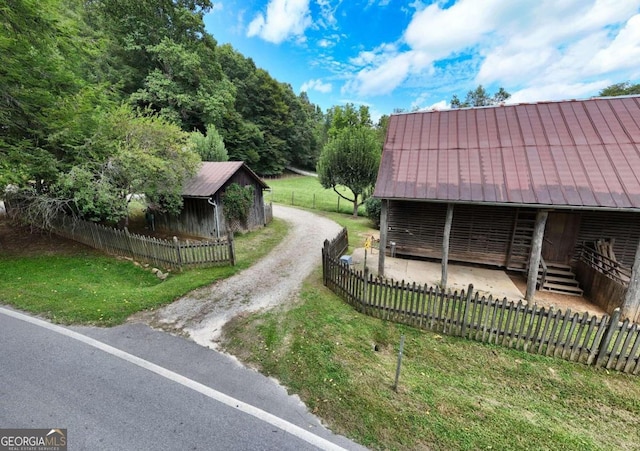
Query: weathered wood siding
[479,234]
[197,217]
[622,227]
[483,234]
[603,291]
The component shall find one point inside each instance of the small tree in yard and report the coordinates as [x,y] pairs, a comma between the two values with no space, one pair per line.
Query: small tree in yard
[351,159]
[237,205]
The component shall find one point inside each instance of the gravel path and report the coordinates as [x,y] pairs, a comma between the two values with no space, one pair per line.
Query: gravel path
[274,280]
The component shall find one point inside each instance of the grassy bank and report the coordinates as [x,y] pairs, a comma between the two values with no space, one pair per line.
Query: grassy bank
[452,394]
[95,289]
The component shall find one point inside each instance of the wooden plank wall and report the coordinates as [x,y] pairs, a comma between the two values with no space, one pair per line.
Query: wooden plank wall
[623,227]
[479,234]
[197,215]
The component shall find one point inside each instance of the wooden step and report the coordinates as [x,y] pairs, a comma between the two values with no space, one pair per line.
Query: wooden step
[561,273]
[562,280]
[554,265]
[563,289]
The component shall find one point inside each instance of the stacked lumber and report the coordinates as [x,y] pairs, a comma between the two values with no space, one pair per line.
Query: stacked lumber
[606,257]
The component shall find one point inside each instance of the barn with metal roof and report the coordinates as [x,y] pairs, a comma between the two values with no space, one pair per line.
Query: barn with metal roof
[514,186]
[202,213]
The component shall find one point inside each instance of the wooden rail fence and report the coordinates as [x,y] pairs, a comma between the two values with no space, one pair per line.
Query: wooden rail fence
[601,341]
[163,253]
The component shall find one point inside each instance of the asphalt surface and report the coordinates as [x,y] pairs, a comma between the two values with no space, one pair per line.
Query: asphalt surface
[135,388]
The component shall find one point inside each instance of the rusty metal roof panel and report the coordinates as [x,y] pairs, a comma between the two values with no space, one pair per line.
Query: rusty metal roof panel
[213,175]
[575,154]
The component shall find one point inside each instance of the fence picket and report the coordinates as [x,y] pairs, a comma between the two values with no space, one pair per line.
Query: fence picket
[154,251]
[568,344]
[633,354]
[528,328]
[614,351]
[623,356]
[576,347]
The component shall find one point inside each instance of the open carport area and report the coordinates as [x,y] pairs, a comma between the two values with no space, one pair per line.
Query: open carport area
[485,280]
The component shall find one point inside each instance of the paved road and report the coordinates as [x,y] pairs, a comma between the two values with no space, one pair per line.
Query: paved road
[134,388]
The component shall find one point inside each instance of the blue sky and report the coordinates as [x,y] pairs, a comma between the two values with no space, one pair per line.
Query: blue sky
[391,54]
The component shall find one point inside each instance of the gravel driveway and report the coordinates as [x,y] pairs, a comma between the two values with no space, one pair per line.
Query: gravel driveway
[274,280]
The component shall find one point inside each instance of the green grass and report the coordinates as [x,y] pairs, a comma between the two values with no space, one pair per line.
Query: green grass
[102,290]
[307,192]
[452,394]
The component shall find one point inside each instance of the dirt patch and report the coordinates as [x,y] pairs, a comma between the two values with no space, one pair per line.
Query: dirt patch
[577,304]
[22,240]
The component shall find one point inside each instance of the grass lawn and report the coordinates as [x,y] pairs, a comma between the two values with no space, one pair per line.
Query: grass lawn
[307,192]
[95,289]
[453,393]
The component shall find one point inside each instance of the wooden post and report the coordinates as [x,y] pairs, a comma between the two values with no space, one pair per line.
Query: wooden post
[177,246]
[129,245]
[536,252]
[365,285]
[465,316]
[399,365]
[232,250]
[631,304]
[604,344]
[384,228]
[325,262]
[445,245]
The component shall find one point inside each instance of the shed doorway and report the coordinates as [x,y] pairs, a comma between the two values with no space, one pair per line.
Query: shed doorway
[560,236]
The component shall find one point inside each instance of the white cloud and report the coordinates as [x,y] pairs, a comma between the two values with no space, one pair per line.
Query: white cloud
[556,91]
[329,41]
[217,6]
[623,52]
[551,49]
[328,13]
[316,85]
[284,19]
[381,79]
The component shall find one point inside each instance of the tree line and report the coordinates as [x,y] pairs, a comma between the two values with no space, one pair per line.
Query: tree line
[101,99]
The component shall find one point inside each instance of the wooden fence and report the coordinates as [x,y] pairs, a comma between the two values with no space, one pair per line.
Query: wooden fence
[600,341]
[163,253]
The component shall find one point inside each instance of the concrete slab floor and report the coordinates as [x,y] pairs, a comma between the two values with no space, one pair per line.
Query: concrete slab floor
[486,281]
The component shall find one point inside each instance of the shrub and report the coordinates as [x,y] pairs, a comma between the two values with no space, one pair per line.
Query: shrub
[373,207]
[237,204]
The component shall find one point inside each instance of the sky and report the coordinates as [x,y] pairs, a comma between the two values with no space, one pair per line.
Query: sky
[415,55]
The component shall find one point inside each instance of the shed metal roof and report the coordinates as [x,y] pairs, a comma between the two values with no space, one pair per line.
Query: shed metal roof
[571,154]
[212,176]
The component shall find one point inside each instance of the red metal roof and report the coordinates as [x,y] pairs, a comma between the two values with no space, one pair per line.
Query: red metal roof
[212,176]
[577,153]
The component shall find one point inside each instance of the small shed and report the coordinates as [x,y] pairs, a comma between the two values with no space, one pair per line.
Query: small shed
[202,213]
[516,186]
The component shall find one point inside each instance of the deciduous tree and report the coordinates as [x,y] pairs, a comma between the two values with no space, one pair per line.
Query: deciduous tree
[480,97]
[621,89]
[351,159]
[129,154]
